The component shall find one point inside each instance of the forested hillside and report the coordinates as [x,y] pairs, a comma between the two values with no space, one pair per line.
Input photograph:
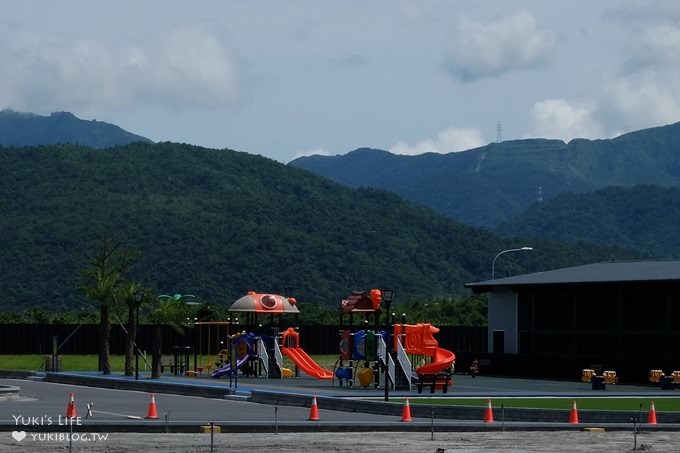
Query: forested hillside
[217,223]
[28,129]
[645,218]
[490,185]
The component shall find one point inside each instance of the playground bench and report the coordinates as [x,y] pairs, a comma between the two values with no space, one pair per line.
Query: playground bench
[433,380]
[169,362]
[666,382]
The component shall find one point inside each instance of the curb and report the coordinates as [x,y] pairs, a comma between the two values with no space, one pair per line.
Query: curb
[146,385]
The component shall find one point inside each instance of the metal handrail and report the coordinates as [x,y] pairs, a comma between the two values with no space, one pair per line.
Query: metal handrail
[278,356]
[382,353]
[404,361]
[264,355]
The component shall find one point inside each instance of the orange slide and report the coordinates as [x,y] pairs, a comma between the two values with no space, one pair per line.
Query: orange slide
[419,339]
[290,341]
[306,363]
[442,360]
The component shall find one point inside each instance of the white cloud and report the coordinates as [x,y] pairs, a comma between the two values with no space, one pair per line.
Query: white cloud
[622,104]
[643,91]
[188,68]
[660,43]
[497,47]
[449,140]
[558,118]
[644,100]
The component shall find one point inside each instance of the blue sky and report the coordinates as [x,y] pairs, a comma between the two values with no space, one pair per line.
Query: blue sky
[289,78]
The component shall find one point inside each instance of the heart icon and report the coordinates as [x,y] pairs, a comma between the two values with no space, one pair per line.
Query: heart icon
[18,435]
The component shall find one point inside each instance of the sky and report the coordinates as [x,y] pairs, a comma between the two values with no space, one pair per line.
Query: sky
[290,78]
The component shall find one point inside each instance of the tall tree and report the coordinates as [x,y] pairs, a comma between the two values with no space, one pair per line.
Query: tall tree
[132,325]
[172,311]
[105,276]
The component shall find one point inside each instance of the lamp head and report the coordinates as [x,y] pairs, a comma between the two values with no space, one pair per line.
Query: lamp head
[387,295]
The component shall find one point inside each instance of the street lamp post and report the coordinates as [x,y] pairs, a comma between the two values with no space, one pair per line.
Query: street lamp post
[493,264]
[139,296]
[387,296]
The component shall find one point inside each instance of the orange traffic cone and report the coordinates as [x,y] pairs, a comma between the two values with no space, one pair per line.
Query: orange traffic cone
[71,408]
[152,412]
[314,411]
[573,415]
[406,412]
[651,417]
[488,414]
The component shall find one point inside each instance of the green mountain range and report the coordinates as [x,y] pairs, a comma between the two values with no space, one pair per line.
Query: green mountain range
[217,223]
[28,129]
[644,218]
[492,184]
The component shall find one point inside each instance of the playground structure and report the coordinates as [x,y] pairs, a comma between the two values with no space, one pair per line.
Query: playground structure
[430,364]
[241,354]
[262,354]
[364,359]
[290,347]
[417,358]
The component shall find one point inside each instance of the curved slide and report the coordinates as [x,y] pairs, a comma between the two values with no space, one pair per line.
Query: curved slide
[306,363]
[226,369]
[442,359]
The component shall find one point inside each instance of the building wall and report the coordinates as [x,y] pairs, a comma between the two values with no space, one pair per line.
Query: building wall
[503,317]
[606,321]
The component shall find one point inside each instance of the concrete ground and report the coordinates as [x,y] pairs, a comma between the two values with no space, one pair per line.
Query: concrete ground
[334,433]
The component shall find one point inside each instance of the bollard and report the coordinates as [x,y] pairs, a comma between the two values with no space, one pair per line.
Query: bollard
[432,425]
[212,435]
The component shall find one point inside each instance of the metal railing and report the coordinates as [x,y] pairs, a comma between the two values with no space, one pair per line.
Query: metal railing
[278,356]
[404,361]
[264,355]
[382,353]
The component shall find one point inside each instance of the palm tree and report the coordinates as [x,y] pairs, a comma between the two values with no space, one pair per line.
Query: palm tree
[172,311]
[105,274]
[128,294]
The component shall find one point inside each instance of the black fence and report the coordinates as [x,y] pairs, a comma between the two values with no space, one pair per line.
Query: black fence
[76,339]
[468,343]
[84,339]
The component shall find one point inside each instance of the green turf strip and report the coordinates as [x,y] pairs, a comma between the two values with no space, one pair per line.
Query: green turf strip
[664,404]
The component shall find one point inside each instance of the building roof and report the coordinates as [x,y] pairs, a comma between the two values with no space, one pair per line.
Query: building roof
[608,272]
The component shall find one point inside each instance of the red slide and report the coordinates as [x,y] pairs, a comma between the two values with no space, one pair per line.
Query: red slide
[306,363]
[442,360]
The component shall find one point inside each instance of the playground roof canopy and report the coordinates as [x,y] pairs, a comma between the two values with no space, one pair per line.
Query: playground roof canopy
[264,303]
[361,301]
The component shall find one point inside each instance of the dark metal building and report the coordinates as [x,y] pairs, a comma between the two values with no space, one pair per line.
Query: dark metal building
[624,314]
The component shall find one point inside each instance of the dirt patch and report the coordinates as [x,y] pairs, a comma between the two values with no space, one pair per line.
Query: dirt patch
[510,441]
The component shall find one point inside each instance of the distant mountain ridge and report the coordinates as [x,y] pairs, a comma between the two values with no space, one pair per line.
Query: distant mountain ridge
[28,129]
[218,223]
[644,218]
[490,185]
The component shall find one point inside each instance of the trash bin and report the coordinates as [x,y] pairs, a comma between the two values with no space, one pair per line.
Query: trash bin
[666,382]
[598,383]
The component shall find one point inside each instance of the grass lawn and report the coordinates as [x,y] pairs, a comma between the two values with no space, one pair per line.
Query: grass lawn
[665,404]
[75,362]
[70,362]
